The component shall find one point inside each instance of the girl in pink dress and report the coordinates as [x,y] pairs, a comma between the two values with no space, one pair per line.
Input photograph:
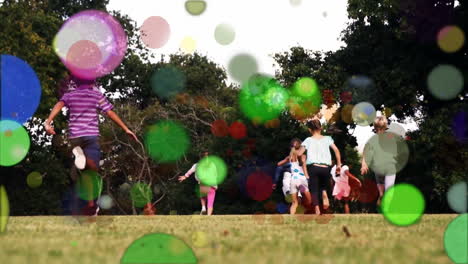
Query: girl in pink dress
[345,185]
[207,193]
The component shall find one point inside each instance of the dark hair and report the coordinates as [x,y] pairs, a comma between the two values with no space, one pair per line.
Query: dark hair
[314,125]
[80,81]
[294,140]
[202,153]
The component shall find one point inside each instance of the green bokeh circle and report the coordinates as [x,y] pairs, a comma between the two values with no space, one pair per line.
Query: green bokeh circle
[456,239]
[211,171]
[224,34]
[242,66]
[14,142]
[168,81]
[445,82]
[307,87]
[34,179]
[457,197]
[262,99]
[195,7]
[89,185]
[166,141]
[158,248]
[141,194]
[403,204]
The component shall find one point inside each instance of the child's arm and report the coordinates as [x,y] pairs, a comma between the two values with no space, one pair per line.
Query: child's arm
[364,166]
[284,161]
[304,166]
[119,122]
[338,157]
[57,108]
[190,172]
[352,177]
[300,151]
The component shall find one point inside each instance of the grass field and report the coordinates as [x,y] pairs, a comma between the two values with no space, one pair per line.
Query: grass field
[229,239]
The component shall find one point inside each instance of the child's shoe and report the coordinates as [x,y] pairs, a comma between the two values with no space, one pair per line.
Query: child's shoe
[80,158]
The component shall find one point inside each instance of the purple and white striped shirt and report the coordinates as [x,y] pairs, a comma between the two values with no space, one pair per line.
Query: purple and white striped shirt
[82,104]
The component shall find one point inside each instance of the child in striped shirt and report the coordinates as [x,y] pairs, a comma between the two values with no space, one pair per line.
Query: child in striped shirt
[83,126]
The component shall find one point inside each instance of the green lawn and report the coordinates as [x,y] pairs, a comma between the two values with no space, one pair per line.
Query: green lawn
[229,239]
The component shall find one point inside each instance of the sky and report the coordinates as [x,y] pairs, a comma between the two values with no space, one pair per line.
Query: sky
[262,28]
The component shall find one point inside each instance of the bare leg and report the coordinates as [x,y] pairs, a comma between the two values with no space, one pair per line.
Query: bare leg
[381,188]
[91,165]
[307,201]
[346,207]
[294,203]
[211,198]
[317,210]
[326,202]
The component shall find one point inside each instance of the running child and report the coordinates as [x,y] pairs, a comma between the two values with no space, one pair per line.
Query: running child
[209,192]
[318,163]
[383,163]
[345,182]
[83,126]
[295,178]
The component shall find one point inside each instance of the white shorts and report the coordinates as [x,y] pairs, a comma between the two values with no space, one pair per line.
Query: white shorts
[299,185]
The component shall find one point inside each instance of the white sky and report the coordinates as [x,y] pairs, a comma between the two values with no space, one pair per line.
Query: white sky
[263,27]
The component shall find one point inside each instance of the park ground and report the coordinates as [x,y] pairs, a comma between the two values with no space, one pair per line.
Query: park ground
[228,239]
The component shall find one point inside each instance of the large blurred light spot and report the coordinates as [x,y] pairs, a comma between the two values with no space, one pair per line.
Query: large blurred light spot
[456,239]
[362,88]
[386,153]
[200,239]
[211,171]
[445,82]
[188,45]
[84,54]
[262,99]
[105,202]
[363,114]
[460,127]
[224,34]
[450,39]
[242,66]
[14,142]
[141,194]
[20,89]
[195,7]
[259,186]
[347,113]
[34,179]
[346,97]
[397,129]
[155,32]
[307,87]
[166,141]
[4,209]
[369,192]
[305,100]
[237,130]
[295,2]
[91,44]
[89,185]
[168,81]
[219,128]
[158,248]
[457,197]
[403,204]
